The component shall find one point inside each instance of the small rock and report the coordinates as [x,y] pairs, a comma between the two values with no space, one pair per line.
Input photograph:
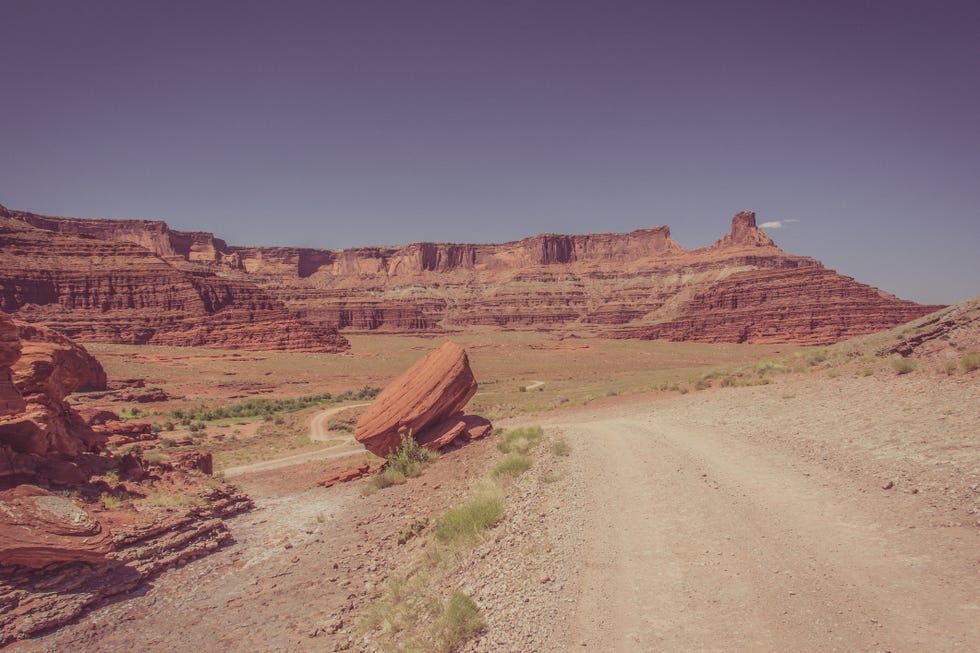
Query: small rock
[889,485]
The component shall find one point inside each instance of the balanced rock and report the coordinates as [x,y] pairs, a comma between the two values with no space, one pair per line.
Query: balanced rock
[429,392]
[38,528]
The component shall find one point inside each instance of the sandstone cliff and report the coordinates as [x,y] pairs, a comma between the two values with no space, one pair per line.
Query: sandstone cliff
[639,284]
[62,550]
[111,290]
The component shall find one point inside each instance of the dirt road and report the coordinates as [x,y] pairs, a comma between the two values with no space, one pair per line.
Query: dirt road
[700,539]
[318,433]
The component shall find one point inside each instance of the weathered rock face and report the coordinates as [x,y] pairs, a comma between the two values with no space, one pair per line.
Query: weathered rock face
[124,554]
[434,388]
[40,528]
[45,433]
[59,555]
[114,291]
[11,401]
[639,284]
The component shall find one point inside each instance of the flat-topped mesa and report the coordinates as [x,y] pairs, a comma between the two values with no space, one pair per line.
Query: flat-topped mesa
[636,284]
[744,233]
[155,235]
[417,259]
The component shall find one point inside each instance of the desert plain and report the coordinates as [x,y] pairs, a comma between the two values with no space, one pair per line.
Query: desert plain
[682,496]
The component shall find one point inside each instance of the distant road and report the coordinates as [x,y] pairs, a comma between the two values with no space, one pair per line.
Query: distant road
[318,433]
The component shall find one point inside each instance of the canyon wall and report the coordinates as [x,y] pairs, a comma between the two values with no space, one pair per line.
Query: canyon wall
[640,284]
[93,286]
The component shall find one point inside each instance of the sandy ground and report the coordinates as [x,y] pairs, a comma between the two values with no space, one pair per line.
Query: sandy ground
[345,447]
[735,519]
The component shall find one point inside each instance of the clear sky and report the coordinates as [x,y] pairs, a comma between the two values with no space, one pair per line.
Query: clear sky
[359,122]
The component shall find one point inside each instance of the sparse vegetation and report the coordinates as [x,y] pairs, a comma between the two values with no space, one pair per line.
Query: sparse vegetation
[266,407]
[482,510]
[410,457]
[970,361]
[403,464]
[560,447]
[460,620]
[903,365]
[520,440]
[155,456]
[173,499]
[116,500]
[513,464]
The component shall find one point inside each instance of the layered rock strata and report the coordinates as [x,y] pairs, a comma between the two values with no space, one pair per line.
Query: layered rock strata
[640,284]
[114,291]
[64,551]
[426,402]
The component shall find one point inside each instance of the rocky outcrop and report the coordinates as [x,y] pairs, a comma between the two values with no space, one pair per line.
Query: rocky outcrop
[116,291]
[141,545]
[62,553]
[425,402]
[637,284]
[45,434]
[40,528]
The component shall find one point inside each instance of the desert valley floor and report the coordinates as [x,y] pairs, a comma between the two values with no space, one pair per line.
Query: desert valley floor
[833,508]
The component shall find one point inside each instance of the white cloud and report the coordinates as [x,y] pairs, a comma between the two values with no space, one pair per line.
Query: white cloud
[776,224]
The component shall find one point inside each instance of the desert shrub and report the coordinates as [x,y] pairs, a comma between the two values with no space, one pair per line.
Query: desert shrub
[387,478]
[409,459]
[765,367]
[460,620]
[520,440]
[816,357]
[513,464]
[168,426]
[970,361]
[116,500]
[112,477]
[903,365]
[522,388]
[560,447]
[950,367]
[480,511]
[702,384]
[867,371]
[155,456]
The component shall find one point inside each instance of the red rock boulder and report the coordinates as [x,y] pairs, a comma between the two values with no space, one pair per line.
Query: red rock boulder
[38,528]
[429,392]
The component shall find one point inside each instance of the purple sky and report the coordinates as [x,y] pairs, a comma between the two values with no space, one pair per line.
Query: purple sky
[334,124]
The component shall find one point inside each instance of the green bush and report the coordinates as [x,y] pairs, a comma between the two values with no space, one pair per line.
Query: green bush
[482,510]
[409,459]
[513,464]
